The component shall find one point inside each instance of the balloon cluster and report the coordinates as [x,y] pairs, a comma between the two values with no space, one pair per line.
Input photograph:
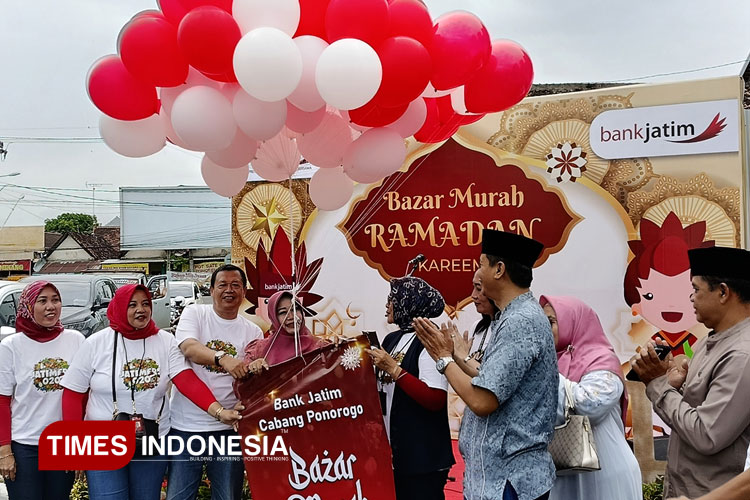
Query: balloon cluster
[341,83]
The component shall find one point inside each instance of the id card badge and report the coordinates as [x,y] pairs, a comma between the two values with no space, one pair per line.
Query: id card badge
[140,428]
[383,403]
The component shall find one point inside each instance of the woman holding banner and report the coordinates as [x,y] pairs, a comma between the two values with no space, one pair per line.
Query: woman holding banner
[126,369]
[32,362]
[286,317]
[415,395]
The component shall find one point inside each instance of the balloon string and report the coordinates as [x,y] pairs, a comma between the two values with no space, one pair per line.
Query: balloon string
[297,341]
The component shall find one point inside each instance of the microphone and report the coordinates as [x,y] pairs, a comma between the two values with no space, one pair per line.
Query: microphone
[416,260]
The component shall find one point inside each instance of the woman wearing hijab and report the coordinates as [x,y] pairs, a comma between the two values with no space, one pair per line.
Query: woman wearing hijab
[286,319]
[415,395]
[586,359]
[144,359]
[32,362]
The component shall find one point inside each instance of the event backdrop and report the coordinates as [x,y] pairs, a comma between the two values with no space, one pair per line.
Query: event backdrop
[616,230]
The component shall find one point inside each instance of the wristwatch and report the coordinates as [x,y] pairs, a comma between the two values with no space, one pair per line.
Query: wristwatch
[442,363]
[217,357]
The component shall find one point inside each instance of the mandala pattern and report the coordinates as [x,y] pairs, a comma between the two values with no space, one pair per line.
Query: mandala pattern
[220,345]
[534,127]
[351,359]
[140,374]
[48,373]
[566,162]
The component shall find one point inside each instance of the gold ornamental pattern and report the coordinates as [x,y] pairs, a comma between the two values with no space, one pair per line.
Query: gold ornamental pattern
[534,128]
[261,209]
[692,209]
[687,207]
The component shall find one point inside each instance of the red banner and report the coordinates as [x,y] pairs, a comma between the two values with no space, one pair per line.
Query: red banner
[326,410]
[439,208]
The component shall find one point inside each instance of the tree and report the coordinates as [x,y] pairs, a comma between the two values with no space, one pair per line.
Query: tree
[71,223]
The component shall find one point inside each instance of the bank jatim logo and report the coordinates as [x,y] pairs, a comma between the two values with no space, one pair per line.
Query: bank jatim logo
[665,131]
[677,129]
[89,445]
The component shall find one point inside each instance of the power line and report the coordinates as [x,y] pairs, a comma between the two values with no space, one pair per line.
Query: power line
[675,72]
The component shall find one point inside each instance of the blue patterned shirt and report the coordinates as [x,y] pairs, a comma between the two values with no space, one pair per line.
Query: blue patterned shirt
[510,444]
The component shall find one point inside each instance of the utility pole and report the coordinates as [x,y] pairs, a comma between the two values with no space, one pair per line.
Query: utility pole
[93,186]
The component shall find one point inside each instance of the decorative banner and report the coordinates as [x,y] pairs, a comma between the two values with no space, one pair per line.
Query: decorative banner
[326,409]
[439,208]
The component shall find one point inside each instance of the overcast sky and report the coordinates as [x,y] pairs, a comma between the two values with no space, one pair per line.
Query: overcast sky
[47,47]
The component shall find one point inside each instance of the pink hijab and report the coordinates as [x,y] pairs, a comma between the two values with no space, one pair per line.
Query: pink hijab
[582,346]
[279,346]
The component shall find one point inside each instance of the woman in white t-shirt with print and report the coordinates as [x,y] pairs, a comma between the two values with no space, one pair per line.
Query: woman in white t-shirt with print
[145,359]
[32,363]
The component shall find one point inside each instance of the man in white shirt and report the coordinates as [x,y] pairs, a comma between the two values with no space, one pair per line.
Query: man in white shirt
[213,339]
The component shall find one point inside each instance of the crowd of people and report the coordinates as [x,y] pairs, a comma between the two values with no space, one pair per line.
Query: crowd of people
[524,364]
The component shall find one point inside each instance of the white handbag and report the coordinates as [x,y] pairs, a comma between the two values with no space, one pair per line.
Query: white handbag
[572,447]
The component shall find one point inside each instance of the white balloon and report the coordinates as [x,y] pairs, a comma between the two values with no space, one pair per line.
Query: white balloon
[170,133]
[377,153]
[223,181]
[134,139]
[258,119]
[306,96]
[167,95]
[202,118]
[238,154]
[268,64]
[412,120]
[348,73]
[330,188]
[280,14]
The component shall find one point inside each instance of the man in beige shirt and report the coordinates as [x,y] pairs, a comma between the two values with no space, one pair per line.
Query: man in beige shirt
[705,400]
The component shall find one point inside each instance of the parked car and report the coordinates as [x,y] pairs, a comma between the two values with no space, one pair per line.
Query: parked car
[158,285]
[188,290]
[84,298]
[10,291]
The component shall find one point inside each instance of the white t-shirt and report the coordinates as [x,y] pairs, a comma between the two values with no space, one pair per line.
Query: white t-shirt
[31,371]
[427,373]
[148,363]
[200,322]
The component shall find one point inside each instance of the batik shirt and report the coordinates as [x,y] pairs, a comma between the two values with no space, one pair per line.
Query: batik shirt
[510,444]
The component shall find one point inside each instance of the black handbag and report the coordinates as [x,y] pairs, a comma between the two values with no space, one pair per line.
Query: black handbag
[144,426]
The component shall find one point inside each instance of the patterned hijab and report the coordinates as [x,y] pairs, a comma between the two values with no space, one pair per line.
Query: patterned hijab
[25,321]
[414,298]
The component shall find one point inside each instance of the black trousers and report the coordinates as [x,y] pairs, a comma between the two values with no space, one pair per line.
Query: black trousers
[428,486]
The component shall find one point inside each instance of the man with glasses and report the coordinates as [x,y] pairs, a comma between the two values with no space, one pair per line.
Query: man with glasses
[212,338]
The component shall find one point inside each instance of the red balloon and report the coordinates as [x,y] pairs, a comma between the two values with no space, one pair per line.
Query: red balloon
[442,121]
[372,115]
[173,10]
[148,49]
[410,18]
[503,81]
[406,71]
[366,20]
[189,5]
[119,94]
[207,36]
[460,46]
[312,18]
